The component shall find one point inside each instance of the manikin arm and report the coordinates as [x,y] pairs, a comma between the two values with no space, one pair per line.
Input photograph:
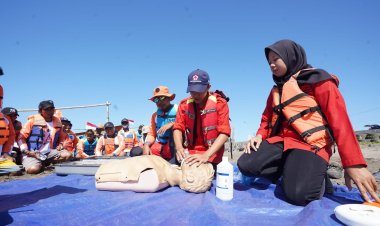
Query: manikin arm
[147,182]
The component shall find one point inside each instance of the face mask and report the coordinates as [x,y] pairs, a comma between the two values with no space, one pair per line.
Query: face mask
[125,126]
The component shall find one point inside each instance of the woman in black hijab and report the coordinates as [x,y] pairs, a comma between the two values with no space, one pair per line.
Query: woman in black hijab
[278,150]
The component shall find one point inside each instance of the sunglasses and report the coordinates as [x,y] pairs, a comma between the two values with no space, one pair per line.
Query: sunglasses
[159,99]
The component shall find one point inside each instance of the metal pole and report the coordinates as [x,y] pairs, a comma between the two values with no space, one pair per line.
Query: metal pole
[108,110]
[72,107]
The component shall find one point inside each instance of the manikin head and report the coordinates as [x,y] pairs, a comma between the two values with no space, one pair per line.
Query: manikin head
[196,179]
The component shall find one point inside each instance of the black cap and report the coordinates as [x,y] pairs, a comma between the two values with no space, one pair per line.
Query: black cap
[1,71]
[63,119]
[124,121]
[9,111]
[108,125]
[46,104]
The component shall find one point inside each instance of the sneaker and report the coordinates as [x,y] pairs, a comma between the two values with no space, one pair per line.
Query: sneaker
[335,170]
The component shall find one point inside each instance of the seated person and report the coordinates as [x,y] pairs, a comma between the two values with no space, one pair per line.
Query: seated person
[41,139]
[145,131]
[110,144]
[151,173]
[71,142]
[132,147]
[7,135]
[86,146]
[12,114]
[160,137]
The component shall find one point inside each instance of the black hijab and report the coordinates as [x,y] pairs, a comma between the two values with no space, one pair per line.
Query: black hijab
[294,57]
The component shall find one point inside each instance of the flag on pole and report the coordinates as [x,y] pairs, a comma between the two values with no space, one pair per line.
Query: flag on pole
[90,126]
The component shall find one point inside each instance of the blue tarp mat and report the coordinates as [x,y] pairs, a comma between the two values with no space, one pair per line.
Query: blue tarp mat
[74,200]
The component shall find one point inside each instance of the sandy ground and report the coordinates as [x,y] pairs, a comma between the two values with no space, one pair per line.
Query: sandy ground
[371,153]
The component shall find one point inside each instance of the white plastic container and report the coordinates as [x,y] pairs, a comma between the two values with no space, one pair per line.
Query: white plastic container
[225,180]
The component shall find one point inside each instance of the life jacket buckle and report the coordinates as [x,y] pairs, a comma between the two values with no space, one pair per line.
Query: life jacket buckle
[315,148]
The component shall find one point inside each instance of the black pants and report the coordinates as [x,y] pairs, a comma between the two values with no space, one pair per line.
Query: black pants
[303,172]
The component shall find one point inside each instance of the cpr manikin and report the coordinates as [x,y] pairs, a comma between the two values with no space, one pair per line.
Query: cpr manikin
[151,173]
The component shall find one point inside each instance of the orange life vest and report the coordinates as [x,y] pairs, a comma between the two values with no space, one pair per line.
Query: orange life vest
[69,142]
[38,134]
[129,138]
[209,122]
[109,144]
[4,129]
[301,112]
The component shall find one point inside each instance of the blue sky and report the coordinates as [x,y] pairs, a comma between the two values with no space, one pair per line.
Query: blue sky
[91,51]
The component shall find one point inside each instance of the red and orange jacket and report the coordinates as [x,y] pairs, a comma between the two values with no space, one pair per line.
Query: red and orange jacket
[332,105]
[183,123]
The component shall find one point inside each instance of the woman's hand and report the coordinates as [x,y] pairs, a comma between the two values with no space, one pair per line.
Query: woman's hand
[253,143]
[363,179]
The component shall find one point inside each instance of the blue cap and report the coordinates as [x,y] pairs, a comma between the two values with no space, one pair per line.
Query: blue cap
[198,81]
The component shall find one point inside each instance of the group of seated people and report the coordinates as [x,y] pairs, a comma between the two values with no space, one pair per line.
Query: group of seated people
[47,138]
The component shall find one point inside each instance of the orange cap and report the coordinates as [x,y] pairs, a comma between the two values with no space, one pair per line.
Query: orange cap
[162,91]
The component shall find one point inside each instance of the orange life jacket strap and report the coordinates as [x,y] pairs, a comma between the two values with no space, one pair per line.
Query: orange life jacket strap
[287,102]
[308,133]
[302,113]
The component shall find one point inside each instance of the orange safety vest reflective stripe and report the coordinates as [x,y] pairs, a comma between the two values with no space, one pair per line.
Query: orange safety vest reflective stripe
[301,112]
[129,138]
[4,129]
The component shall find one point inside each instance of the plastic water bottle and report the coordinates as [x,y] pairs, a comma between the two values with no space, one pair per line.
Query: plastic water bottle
[225,180]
